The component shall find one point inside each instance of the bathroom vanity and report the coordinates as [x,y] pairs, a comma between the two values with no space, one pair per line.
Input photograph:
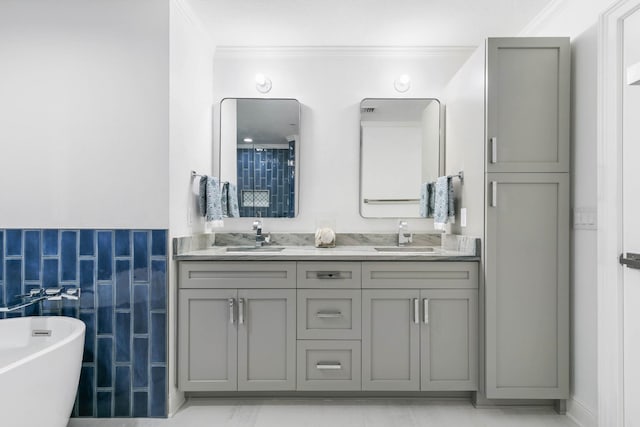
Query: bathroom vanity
[340,319]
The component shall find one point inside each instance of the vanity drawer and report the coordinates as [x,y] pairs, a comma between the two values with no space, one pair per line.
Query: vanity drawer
[328,365]
[420,275]
[237,274]
[325,275]
[329,314]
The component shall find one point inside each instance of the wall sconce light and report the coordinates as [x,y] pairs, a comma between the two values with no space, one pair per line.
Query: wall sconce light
[263,83]
[402,83]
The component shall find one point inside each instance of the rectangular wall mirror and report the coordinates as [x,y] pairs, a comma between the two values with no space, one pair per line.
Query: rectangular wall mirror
[400,149]
[259,152]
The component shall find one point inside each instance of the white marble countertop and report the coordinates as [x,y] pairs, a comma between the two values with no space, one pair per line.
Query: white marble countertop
[338,253]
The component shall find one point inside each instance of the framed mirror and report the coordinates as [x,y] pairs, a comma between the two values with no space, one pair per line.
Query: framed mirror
[259,152]
[400,149]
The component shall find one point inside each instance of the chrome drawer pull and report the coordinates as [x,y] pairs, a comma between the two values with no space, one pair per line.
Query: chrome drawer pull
[326,366]
[328,314]
[241,311]
[426,311]
[328,275]
[416,311]
[494,194]
[494,150]
[231,310]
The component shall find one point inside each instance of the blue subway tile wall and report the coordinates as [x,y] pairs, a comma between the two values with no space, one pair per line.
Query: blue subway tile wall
[123,278]
[267,168]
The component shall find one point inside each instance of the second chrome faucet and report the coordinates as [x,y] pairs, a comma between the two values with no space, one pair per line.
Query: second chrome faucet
[261,239]
[404,237]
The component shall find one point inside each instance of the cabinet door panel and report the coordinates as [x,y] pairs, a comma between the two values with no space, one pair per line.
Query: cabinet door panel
[390,340]
[527,286]
[207,341]
[528,104]
[267,340]
[448,340]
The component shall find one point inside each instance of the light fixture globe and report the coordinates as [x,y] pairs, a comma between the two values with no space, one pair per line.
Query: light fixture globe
[263,83]
[402,83]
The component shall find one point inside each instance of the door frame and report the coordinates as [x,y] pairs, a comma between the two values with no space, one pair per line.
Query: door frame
[609,235]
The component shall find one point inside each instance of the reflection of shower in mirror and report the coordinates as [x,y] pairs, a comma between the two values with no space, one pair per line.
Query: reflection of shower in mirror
[259,149]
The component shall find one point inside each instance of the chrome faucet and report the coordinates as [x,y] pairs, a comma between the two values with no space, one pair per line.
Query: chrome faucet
[48,294]
[404,236]
[261,239]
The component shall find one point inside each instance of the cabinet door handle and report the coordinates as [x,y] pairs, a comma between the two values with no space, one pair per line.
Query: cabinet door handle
[494,194]
[425,302]
[416,311]
[241,311]
[328,275]
[328,314]
[494,150]
[232,305]
[325,366]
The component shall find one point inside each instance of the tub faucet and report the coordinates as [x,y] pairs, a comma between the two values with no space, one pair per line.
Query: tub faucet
[261,239]
[404,236]
[38,295]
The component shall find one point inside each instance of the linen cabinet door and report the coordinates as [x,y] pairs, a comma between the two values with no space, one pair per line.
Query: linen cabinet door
[207,340]
[527,286]
[528,104]
[449,339]
[390,339]
[266,339]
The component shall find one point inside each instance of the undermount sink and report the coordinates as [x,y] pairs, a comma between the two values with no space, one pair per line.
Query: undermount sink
[405,249]
[254,249]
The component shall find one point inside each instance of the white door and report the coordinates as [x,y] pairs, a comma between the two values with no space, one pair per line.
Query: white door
[631,222]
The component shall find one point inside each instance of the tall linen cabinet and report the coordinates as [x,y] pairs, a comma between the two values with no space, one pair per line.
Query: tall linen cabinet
[508,129]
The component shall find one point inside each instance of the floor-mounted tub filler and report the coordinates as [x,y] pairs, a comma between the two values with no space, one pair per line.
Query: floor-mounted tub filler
[40,360]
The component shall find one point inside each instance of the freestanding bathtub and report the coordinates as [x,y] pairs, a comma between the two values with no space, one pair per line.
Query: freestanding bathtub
[40,360]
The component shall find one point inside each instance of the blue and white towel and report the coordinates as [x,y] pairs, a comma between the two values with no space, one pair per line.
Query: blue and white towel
[427,199]
[444,202]
[209,199]
[230,200]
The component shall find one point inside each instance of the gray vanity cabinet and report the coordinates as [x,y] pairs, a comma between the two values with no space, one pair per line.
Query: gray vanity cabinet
[391,339]
[527,104]
[419,339]
[527,286]
[266,339]
[448,339]
[419,326]
[207,340]
[234,334]
[237,339]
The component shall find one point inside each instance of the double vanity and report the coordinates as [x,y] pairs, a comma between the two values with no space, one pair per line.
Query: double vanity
[349,318]
[369,315]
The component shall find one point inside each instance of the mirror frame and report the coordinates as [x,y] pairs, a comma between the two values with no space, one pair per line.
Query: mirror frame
[441,148]
[297,154]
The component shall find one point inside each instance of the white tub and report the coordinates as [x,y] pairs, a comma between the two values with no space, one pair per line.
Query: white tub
[39,372]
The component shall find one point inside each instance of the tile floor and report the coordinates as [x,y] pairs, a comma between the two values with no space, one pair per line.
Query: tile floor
[340,413]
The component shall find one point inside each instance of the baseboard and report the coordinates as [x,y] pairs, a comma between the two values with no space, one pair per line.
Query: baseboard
[580,414]
[176,400]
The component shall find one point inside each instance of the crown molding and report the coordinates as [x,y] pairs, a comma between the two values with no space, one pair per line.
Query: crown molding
[541,17]
[188,13]
[319,51]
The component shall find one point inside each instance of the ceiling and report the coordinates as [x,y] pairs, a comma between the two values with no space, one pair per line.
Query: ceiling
[363,22]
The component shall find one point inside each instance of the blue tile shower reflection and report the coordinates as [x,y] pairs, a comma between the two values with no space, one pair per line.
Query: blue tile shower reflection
[123,277]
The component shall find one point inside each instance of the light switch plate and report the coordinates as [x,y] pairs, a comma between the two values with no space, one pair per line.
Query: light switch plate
[585,218]
[463,217]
